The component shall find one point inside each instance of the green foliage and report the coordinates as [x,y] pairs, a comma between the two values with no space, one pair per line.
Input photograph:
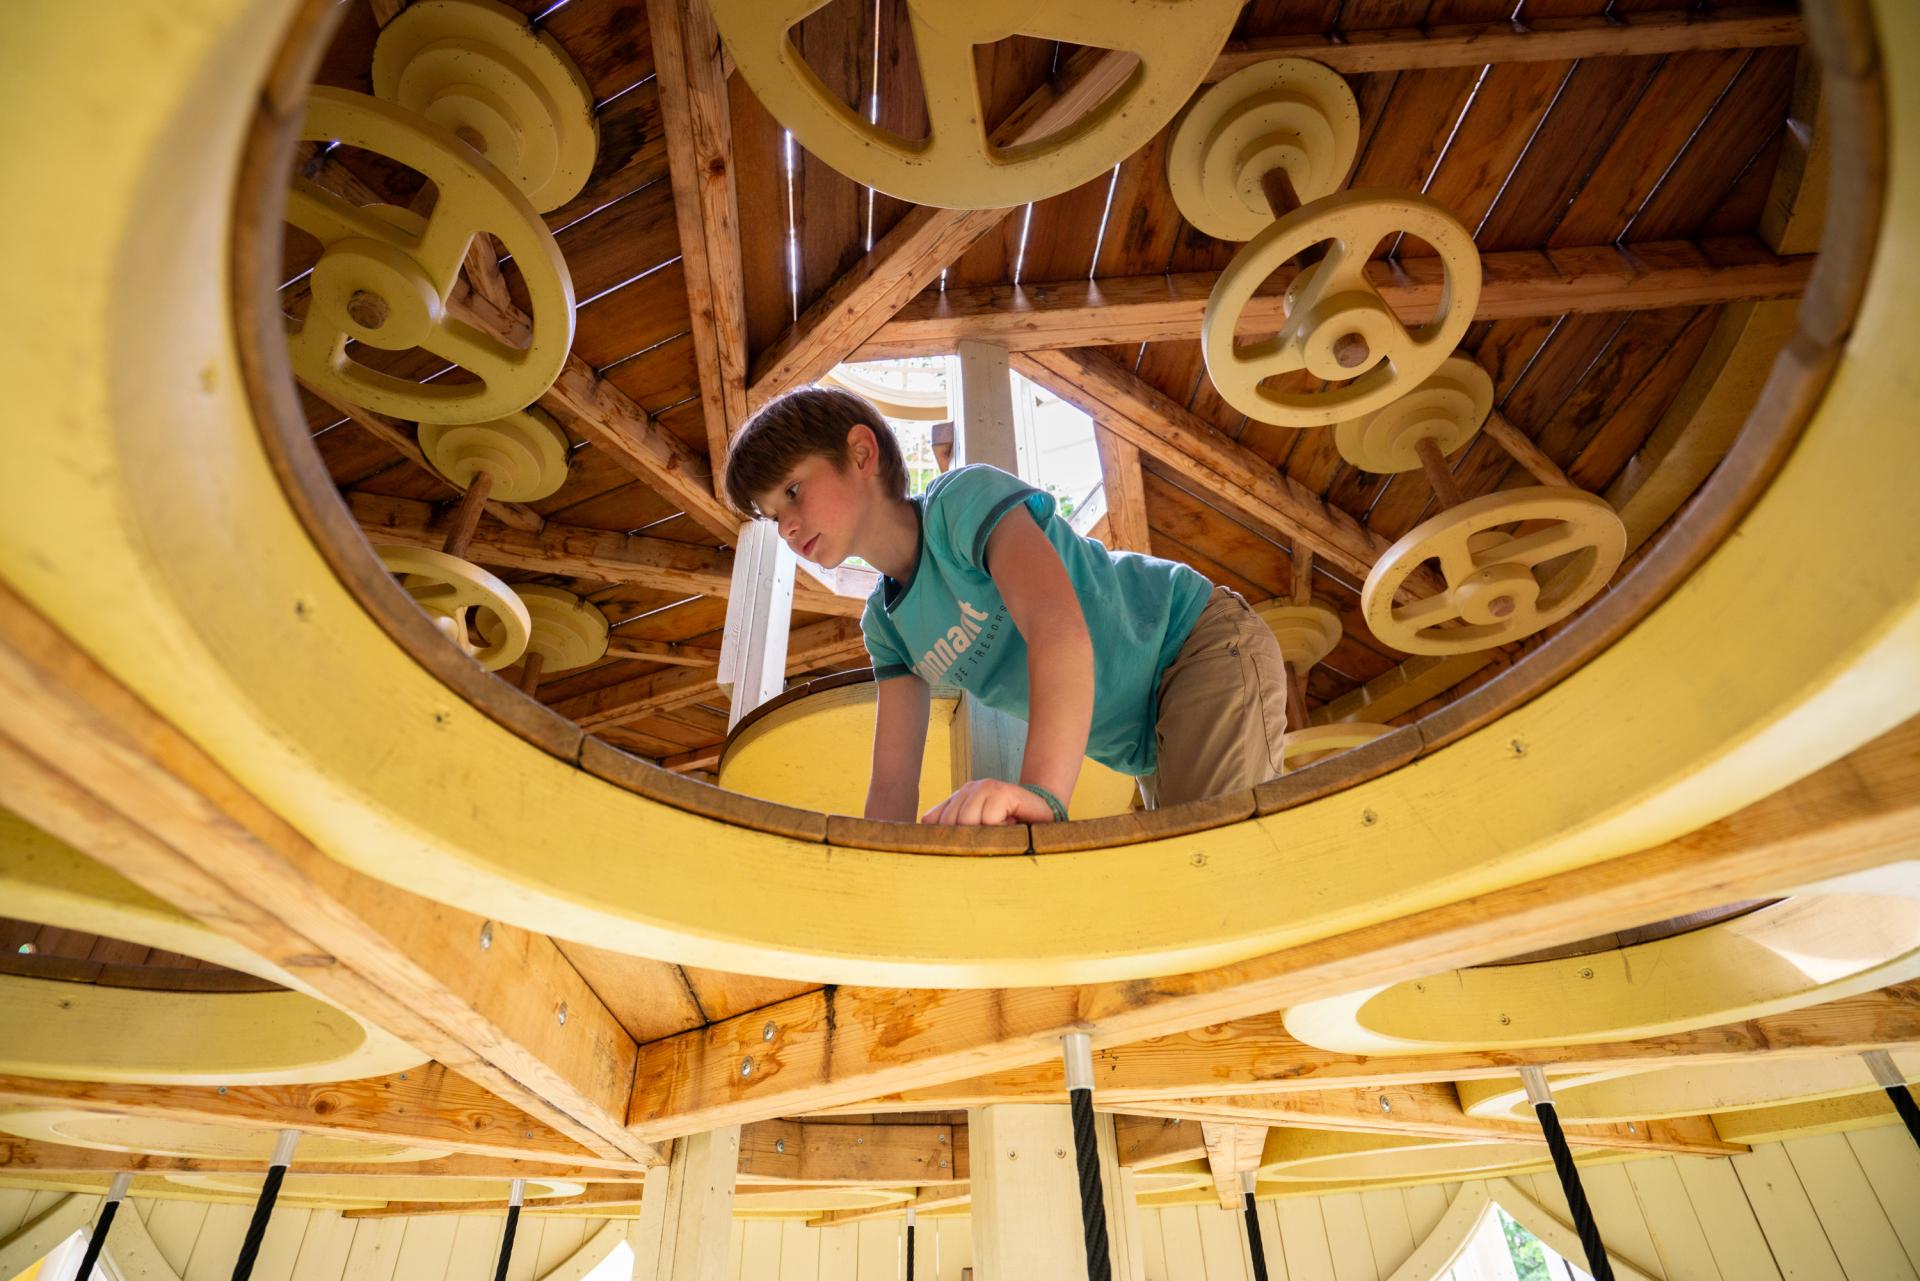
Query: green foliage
[1529,1261]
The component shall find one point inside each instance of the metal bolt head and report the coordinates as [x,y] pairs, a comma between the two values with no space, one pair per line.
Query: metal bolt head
[779,1145]
[1504,1020]
[746,1067]
[486,936]
[561,1014]
[1586,972]
[1060,1154]
[1012,1155]
[27,949]
[1368,818]
[1386,1104]
[223,1089]
[766,1033]
[943,1163]
[1632,1129]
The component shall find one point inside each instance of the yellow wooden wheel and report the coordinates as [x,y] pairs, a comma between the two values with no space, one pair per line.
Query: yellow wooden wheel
[566,631]
[1302,747]
[165,1136]
[1307,633]
[452,591]
[1446,409]
[1290,114]
[379,285]
[525,453]
[162,391]
[1500,586]
[957,166]
[476,68]
[1608,1097]
[1338,328]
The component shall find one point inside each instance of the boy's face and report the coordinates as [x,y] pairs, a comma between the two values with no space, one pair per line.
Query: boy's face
[819,508]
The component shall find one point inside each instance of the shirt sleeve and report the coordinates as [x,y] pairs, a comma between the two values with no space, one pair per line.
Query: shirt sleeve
[974,500]
[883,644]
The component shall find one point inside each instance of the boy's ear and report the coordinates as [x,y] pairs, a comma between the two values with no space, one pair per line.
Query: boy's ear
[862,448]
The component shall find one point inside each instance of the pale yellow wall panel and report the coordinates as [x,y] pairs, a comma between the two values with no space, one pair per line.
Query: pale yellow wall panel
[218,1244]
[1223,1244]
[1786,1218]
[324,1250]
[280,1249]
[1387,1228]
[476,1246]
[953,1248]
[736,1250]
[759,1251]
[1617,1211]
[799,1252]
[840,1253]
[1153,1246]
[1726,1218]
[376,1248]
[425,1248]
[1856,1225]
[1303,1231]
[879,1250]
[13,1210]
[559,1238]
[1891,1161]
[1180,1243]
[1678,1238]
[1347,1240]
[1426,1205]
[175,1227]
[1270,1241]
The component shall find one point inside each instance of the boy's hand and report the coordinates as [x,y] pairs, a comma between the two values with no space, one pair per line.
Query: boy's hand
[988,802]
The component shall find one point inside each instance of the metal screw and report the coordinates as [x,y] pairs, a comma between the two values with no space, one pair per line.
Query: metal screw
[1586,973]
[223,1089]
[1199,860]
[1419,987]
[1385,1104]
[746,1067]
[779,1145]
[766,1033]
[1368,818]
[1012,1155]
[943,1138]
[1519,746]
[1504,1020]
[403,1076]
[486,937]
[1631,1128]
[561,1014]
[28,949]
[943,1163]
[859,1143]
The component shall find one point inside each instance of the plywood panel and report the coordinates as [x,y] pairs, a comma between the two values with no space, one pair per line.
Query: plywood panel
[1785,1216]
[1856,1224]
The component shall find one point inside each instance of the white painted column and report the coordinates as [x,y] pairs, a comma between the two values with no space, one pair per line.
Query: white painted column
[753,649]
[1026,1193]
[985,743]
[685,1227]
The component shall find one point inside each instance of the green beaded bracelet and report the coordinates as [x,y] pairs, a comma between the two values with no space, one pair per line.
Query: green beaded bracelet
[1053,802]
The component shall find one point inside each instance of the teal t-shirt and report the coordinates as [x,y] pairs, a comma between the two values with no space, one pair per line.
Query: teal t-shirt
[948,625]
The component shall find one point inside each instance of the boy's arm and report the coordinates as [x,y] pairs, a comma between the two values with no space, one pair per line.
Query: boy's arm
[902,707]
[1041,601]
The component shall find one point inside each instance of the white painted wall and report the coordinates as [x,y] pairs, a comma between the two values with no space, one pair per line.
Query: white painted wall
[1838,1207]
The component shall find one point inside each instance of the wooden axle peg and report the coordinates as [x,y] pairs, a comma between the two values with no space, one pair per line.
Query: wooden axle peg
[1278,186]
[1445,488]
[1350,351]
[466,517]
[367,309]
[530,672]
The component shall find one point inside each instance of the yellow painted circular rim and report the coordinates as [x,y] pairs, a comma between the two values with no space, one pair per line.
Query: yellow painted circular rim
[380,1187]
[290,682]
[1323,1156]
[166,1136]
[1800,951]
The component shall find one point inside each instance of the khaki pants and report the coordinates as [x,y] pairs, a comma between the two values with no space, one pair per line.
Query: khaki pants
[1222,707]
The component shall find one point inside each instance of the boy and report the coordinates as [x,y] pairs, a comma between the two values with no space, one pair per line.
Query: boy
[1132,660]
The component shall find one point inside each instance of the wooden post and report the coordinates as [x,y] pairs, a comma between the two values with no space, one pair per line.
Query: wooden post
[753,649]
[985,743]
[686,1211]
[1026,1193]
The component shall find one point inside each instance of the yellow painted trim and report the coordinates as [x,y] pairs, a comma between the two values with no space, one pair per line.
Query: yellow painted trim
[164,1136]
[137,477]
[1801,951]
[379,1187]
[1605,1097]
[80,1032]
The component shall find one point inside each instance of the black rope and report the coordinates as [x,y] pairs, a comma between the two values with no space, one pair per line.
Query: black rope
[909,1252]
[1254,1248]
[1903,1104]
[1093,1201]
[257,1228]
[1599,1266]
[97,1241]
[506,1243]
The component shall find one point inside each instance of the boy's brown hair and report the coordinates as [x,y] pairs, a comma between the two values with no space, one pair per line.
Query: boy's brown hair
[809,422]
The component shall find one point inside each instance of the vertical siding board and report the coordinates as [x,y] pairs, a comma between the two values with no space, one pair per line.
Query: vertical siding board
[1892,1163]
[1785,1216]
[1223,1243]
[1180,1239]
[1387,1228]
[323,1251]
[280,1250]
[425,1248]
[559,1238]
[800,1252]
[1153,1246]
[1303,1231]
[759,1250]
[526,1248]
[1856,1226]
[13,1210]
[476,1247]
[1426,1206]
[175,1227]
[1347,1237]
[1726,1217]
[838,1260]
[1618,1212]
[953,1247]
[1270,1238]
[1677,1235]
[376,1248]
[879,1250]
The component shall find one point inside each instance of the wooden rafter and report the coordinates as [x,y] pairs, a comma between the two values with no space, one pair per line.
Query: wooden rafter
[807,648]
[922,245]
[1125,492]
[1534,40]
[1233,1149]
[84,759]
[1128,406]
[688,58]
[428,1105]
[826,1154]
[842,1046]
[1515,284]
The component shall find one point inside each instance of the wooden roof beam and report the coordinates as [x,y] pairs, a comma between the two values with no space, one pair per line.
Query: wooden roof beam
[1515,283]
[827,1153]
[1131,408]
[428,1105]
[1433,1111]
[1625,35]
[87,761]
[1232,1150]
[844,1045]
[922,245]
[688,62]
[603,555]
